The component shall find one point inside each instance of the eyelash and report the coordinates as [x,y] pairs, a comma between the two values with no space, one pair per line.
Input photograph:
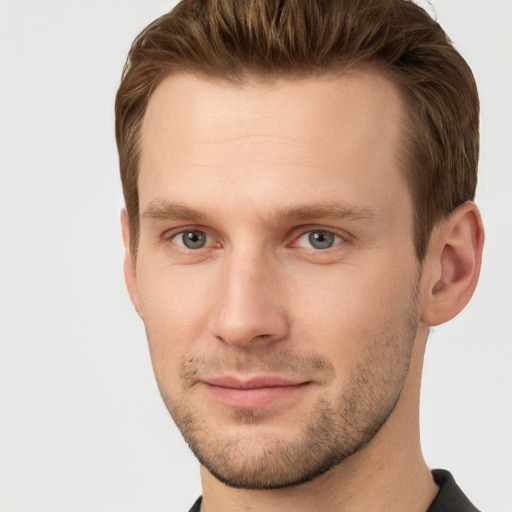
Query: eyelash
[338,239]
[182,233]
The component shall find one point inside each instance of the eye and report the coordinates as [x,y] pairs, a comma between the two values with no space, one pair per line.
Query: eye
[319,239]
[192,239]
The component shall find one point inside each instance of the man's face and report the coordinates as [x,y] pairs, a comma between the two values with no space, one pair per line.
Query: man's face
[276,273]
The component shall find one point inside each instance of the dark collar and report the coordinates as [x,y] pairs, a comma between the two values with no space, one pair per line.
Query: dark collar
[197,505]
[449,498]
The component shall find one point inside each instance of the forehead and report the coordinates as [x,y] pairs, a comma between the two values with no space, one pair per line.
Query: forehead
[215,140]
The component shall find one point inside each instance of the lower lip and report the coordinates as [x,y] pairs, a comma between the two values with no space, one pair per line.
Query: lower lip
[253,398]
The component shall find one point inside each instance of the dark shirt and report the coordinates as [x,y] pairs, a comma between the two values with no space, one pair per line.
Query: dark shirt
[449,498]
[197,505]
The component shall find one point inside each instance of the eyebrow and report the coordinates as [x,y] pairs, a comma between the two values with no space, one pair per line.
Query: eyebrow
[338,210]
[159,209]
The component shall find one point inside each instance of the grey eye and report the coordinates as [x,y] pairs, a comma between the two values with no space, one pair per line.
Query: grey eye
[193,239]
[321,239]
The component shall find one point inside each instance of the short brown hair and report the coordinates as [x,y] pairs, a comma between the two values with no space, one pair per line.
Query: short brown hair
[239,39]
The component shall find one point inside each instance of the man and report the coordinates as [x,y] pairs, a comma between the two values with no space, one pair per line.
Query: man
[299,178]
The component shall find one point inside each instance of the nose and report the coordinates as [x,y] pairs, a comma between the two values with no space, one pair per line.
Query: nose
[250,307]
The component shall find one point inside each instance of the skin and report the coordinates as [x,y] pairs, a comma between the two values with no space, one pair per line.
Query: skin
[346,325]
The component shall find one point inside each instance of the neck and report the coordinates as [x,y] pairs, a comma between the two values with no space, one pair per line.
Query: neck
[388,474]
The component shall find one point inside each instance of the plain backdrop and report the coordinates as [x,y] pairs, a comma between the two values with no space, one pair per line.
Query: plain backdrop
[82,426]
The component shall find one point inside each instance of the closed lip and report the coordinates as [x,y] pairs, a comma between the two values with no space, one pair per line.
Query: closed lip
[255,382]
[254,392]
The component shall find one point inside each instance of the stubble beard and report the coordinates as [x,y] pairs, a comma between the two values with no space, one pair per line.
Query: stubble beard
[332,431]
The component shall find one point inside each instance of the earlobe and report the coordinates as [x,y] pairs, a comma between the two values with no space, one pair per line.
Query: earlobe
[129,267]
[453,261]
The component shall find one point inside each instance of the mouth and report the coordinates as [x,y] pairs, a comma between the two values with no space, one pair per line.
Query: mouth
[254,393]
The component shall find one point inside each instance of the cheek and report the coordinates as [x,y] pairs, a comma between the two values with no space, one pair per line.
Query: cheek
[175,306]
[345,311]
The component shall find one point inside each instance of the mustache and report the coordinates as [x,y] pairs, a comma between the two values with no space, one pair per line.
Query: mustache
[282,362]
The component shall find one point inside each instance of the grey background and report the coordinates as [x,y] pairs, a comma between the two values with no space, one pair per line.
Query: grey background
[82,427]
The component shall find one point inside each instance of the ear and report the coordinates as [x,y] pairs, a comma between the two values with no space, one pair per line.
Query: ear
[453,260]
[129,267]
